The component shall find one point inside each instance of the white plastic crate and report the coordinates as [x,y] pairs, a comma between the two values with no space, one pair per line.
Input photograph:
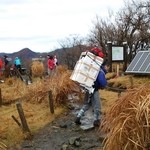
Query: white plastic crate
[76,68]
[86,69]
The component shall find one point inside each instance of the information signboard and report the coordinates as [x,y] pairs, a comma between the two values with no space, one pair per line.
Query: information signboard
[117,53]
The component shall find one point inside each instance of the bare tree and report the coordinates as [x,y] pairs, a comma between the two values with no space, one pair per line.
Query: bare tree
[131,25]
[72,47]
[134,23]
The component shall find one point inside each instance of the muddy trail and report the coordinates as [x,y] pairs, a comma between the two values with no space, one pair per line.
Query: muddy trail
[64,134]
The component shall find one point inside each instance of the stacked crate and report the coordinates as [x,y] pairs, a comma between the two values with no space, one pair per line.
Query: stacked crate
[86,70]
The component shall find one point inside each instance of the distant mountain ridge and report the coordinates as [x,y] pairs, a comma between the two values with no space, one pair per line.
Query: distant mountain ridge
[26,52]
[25,55]
[65,56]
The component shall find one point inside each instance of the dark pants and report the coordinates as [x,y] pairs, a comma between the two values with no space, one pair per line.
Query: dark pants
[18,67]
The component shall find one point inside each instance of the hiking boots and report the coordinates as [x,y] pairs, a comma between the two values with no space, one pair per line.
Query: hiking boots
[77,120]
[96,123]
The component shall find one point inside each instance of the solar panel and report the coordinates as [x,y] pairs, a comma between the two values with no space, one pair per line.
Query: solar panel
[140,64]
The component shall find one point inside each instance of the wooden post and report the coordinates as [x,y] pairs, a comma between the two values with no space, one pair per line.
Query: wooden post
[0,97]
[30,77]
[125,58]
[119,94]
[131,81]
[22,118]
[19,74]
[51,101]
[26,81]
[117,70]
[109,44]
[18,123]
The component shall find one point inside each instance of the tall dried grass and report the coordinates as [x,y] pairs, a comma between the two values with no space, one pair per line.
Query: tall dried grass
[60,85]
[125,81]
[37,69]
[3,146]
[37,92]
[34,98]
[12,89]
[37,116]
[127,123]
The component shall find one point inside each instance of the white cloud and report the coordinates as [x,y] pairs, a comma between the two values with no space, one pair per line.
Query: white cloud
[39,24]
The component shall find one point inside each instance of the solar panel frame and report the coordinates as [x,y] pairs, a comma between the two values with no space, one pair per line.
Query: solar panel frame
[146,63]
[140,64]
[148,68]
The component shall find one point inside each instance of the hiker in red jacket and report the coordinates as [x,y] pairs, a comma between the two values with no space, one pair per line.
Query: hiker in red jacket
[51,65]
[1,66]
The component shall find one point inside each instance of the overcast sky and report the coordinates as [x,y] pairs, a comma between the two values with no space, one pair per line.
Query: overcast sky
[41,24]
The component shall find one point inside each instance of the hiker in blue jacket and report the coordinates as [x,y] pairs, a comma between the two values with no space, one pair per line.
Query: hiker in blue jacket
[17,63]
[94,98]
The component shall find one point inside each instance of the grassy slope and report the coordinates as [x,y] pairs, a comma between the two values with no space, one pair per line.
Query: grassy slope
[38,114]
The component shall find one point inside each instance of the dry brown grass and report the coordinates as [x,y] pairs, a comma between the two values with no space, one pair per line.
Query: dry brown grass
[60,85]
[12,90]
[35,104]
[37,69]
[126,81]
[127,123]
[34,98]
[37,116]
[108,98]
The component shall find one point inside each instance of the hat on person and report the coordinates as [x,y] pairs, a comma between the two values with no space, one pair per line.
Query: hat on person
[97,51]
